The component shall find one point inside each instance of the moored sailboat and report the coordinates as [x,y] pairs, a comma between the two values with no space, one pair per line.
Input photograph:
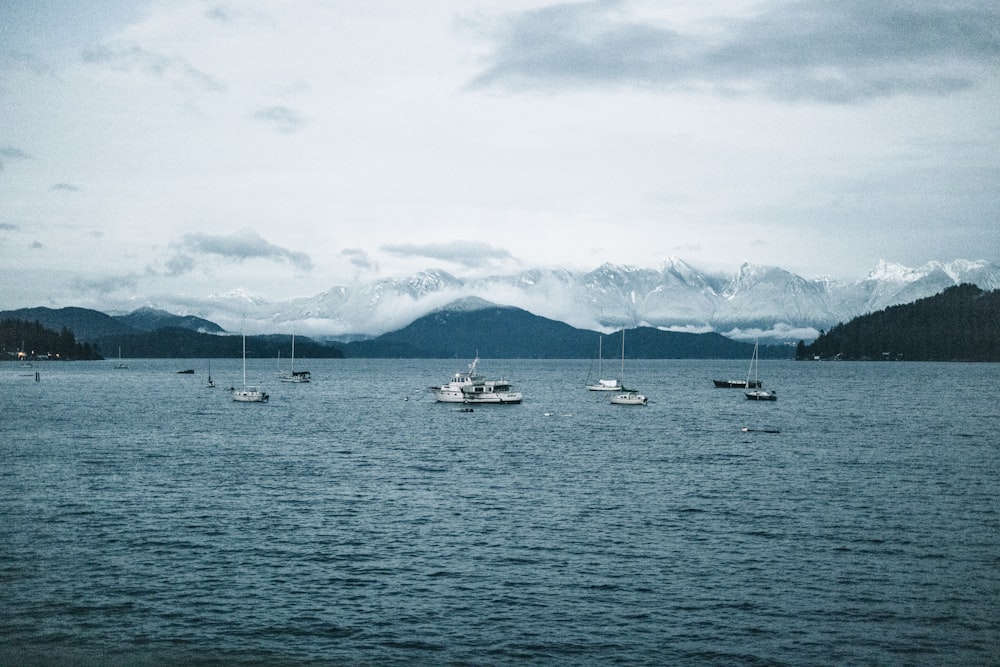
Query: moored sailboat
[294,375]
[248,394]
[758,394]
[602,384]
[627,396]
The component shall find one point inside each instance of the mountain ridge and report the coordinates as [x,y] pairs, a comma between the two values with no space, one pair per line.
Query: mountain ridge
[469,327]
[757,301]
[473,329]
[89,325]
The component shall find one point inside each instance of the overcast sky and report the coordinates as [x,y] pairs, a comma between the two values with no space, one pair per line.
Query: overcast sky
[184,147]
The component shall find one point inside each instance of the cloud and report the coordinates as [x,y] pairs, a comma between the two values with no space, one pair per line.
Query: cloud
[11,153]
[36,245]
[180,264]
[831,51]
[780,331]
[128,282]
[68,187]
[237,247]
[360,259]
[283,119]
[466,253]
[125,57]
[8,227]
[691,328]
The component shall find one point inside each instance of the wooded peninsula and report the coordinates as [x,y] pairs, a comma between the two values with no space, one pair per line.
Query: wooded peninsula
[962,323]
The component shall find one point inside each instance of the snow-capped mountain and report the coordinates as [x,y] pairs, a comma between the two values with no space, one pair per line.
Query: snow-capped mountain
[764,301]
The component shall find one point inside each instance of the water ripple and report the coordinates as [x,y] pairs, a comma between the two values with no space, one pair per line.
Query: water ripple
[174,527]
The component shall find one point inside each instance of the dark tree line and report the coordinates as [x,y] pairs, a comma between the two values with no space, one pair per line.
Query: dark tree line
[181,343]
[962,323]
[30,340]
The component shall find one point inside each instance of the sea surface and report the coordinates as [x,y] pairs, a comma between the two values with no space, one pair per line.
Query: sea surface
[146,519]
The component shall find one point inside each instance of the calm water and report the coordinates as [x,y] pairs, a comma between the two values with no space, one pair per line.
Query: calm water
[146,519]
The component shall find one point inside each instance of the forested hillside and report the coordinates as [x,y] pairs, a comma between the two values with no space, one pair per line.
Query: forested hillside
[962,323]
[30,340]
[504,332]
[180,343]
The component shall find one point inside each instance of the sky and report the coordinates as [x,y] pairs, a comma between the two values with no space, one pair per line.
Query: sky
[283,148]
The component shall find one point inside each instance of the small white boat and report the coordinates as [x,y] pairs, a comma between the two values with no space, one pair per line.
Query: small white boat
[121,364]
[248,394]
[627,396]
[603,385]
[297,376]
[762,395]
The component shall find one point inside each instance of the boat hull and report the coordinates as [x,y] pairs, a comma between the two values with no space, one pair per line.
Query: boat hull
[629,398]
[250,396]
[605,385]
[737,384]
[443,395]
[761,396]
[507,398]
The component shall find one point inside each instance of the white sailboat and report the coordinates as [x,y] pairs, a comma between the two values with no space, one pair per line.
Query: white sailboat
[211,383]
[294,375]
[121,364]
[627,396]
[759,394]
[602,384]
[248,394]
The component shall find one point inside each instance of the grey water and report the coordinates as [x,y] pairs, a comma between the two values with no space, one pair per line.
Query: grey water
[147,519]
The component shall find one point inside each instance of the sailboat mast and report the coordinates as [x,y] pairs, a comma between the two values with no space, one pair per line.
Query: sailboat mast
[753,364]
[244,361]
[623,357]
[600,358]
[756,363]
